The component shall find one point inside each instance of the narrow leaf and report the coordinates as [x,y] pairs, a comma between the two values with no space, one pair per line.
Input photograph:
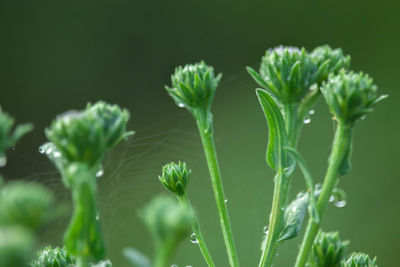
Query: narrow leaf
[277,132]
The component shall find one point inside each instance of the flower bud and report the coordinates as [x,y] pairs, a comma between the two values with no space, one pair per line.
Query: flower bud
[350,95]
[53,257]
[85,136]
[193,86]
[26,204]
[328,61]
[175,177]
[168,221]
[327,250]
[16,245]
[293,75]
[359,260]
[8,136]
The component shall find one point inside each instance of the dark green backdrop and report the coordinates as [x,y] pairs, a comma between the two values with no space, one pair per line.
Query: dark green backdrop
[57,55]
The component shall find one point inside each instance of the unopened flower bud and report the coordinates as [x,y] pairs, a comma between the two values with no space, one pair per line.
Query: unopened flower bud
[350,96]
[359,260]
[328,250]
[193,86]
[175,177]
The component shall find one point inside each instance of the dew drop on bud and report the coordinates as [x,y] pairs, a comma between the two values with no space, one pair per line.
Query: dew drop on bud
[41,150]
[3,161]
[99,173]
[340,204]
[193,239]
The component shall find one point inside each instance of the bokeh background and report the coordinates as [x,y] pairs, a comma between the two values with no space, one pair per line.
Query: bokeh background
[57,55]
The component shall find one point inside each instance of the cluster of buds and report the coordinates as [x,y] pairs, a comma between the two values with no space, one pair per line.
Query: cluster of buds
[328,249]
[359,260]
[350,96]
[53,257]
[292,75]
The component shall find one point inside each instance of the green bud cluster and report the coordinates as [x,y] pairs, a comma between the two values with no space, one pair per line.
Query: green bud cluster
[85,136]
[8,136]
[359,260]
[350,96]
[25,204]
[193,86]
[175,177]
[328,250]
[168,221]
[53,257]
[292,75]
[16,245]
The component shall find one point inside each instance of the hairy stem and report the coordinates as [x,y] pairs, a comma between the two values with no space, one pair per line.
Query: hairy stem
[196,229]
[204,124]
[342,141]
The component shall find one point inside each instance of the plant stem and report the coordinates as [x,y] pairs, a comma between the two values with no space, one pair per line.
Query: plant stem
[162,255]
[276,218]
[196,229]
[203,119]
[342,141]
[82,261]
[281,190]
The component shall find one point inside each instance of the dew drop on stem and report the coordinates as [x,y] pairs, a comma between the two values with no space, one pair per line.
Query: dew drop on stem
[99,173]
[265,229]
[307,121]
[193,239]
[311,112]
[226,201]
[3,161]
[340,204]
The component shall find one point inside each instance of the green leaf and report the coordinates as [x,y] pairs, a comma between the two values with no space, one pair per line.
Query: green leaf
[277,133]
[137,258]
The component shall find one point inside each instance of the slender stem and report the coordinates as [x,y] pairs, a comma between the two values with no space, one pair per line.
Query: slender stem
[341,142]
[204,124]
[199,236]
[281,190]
[82,261]
[276,219]
[162,255]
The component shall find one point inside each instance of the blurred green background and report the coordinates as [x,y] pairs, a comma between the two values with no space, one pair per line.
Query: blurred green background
[57,55]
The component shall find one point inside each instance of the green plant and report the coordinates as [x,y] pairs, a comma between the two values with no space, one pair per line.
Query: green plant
[291,81]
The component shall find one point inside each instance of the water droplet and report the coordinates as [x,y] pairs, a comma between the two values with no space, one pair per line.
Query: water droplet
[181,105]
[193,239]
[265,229]
[3,161]
[331,198]
[174,265]
[13,148]
[307,121]
[340,204]
[363,117]
[226,201]
[97,217]
[318,186]
[49,150]
[188,266]
[41,149]
[99,173]
[56,154]
[311,112]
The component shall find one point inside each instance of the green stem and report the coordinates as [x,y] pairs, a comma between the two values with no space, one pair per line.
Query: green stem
[342,141]
[162,255]
[203,119]
[82,261]
[196,229]
[281,190]
[276,219]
